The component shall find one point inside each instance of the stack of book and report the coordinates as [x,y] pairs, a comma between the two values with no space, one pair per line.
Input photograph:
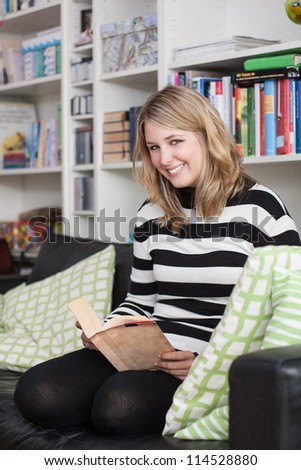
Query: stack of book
[229,44]
[116,137]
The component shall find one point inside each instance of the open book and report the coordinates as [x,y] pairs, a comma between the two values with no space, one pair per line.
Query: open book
[128,342]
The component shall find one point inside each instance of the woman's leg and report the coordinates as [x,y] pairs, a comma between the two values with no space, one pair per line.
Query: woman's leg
[133,402]
[60,392]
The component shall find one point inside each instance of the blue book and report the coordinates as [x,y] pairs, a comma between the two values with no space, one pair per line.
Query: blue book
[298,115]
[270,116]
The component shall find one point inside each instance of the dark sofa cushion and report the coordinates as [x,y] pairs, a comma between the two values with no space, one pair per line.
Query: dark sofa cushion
[59,252]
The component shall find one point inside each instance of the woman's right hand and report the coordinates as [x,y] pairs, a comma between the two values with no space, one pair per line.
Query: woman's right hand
[86,341]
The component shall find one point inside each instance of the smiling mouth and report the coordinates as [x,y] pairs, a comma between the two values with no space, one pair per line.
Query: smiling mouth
[176,170]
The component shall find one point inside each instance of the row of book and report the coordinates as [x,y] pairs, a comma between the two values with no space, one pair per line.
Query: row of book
[36,57]
[81,104]
[260,108]
[82,69]
[83,193]
[11,6]
[119,135]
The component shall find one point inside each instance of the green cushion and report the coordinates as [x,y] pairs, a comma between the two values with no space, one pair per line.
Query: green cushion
[200,405]
[284,327]
[35,323]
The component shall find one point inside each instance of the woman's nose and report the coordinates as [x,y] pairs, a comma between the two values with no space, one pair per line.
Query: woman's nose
[165,157]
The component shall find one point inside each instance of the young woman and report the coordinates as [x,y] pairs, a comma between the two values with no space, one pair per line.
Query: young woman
[203,218]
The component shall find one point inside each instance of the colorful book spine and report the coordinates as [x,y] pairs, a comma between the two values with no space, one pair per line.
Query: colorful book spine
[298,116]
[244,121]
[292,125]
[270,117]
[280,117]
[251,121]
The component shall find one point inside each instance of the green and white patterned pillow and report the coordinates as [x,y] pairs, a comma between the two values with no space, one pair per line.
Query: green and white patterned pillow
[35,323]
[284,328]
[200,405]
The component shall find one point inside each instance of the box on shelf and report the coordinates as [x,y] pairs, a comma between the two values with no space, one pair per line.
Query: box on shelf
[130,44]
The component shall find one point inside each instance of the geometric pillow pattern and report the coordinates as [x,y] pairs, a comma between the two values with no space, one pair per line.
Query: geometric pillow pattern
[284,327]
[35,323]
[200,405]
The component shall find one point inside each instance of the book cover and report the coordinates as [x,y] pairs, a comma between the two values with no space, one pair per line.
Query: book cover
[270,117]
[272,62]
[128,342]
[15,117]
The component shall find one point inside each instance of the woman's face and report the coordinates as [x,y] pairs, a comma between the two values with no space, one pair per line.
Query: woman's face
[175,153]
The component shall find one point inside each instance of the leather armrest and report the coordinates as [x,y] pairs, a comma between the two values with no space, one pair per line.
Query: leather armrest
[265,399]
[8,281]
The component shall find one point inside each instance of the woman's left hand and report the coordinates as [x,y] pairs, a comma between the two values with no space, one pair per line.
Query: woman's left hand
[176,363]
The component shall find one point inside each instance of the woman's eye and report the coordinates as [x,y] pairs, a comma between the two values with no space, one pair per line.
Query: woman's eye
[175,141]
[153,147]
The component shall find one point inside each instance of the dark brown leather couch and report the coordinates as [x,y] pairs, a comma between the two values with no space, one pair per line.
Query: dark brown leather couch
[265,387]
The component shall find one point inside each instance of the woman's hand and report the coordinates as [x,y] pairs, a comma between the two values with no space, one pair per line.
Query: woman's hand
[86,341]
[176,363]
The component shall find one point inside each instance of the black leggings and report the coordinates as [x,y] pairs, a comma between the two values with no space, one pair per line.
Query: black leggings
[83,386]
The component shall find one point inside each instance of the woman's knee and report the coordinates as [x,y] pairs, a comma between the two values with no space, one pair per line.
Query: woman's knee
[128,403]
[32,397]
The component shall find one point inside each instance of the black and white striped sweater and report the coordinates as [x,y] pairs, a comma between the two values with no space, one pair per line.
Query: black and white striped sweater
[184,282]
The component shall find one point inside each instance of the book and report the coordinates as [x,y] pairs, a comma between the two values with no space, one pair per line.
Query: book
[298,116]
[247,78]
[117,157]
[226,44]
[128,342]
[270,116]
[113,147]
[117,126]
[116,136]
[116,116]
[272,62]
[15,117]
[280,123]
[133,116]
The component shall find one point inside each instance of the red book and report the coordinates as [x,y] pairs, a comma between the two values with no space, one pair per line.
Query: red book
[286,115]
[280,117]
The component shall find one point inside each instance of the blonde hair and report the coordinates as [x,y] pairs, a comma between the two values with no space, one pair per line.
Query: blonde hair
[178,107]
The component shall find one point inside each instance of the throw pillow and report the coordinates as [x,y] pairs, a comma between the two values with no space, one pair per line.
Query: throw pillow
[200,405]
[284,327]
[35,323]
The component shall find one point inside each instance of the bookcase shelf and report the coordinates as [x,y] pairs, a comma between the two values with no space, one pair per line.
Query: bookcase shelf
[30,171]
[38,86]
[32,19]
[179,23]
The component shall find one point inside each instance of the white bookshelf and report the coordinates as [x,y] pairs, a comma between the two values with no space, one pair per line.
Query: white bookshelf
[179,23]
